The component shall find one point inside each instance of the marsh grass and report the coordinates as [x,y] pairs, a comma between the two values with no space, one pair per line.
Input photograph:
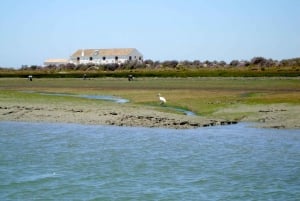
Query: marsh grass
[203,96]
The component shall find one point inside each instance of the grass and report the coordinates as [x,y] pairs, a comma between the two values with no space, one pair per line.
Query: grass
[183,71]
[204,96]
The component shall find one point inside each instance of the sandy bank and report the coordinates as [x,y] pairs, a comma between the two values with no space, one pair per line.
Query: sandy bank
[110,114]
[268,116]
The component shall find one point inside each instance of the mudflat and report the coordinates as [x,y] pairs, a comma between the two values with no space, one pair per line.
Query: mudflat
[107,114]
[267,102]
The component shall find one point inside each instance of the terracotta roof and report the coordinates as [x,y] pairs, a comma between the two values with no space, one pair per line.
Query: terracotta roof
[103,52]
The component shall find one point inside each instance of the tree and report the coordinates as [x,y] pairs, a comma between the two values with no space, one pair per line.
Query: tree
[170,64]
[196,63]
[70,66]
[222,63]
[234,63]
[149,62]
[261,61]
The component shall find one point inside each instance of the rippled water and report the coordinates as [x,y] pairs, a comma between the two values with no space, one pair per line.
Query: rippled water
[76,162]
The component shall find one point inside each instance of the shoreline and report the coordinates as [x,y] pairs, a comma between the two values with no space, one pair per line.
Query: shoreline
[117,115]
[137,116]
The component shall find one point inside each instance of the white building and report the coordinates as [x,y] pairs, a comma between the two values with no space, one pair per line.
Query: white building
[106,56]
[55,62]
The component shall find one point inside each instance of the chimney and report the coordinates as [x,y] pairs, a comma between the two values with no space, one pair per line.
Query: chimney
[82,52]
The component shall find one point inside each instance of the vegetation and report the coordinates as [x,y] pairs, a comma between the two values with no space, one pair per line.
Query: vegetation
[256,67]
[204,96]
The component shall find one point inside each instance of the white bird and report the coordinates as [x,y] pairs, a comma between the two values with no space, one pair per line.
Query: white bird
[161,99]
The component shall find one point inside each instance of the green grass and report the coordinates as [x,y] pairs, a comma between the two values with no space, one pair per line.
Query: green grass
[204,96]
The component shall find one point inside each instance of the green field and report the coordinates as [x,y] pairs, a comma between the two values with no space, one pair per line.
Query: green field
[204,96]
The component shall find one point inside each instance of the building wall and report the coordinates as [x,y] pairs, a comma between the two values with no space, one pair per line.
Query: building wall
[107,59]
[55,62]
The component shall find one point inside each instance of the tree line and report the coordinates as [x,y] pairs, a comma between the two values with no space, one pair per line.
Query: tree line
[170,64]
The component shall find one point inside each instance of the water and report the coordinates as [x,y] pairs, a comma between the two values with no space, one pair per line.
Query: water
[97,97]
[105,97]
[77,162]
[108,98]
[186,112]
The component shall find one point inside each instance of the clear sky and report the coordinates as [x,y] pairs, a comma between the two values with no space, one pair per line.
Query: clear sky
[34,30]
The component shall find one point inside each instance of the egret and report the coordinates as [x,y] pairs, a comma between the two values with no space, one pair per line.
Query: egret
[161,99]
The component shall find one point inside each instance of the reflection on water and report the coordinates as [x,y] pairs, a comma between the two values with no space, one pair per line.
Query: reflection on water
[105,97]
[109,98]
[186,112]
[97,97]
[41,161]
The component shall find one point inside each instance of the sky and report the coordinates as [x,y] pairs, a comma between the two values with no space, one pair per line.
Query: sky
[32,31]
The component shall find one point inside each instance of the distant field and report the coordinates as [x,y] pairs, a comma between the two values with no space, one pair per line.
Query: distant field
[204,96]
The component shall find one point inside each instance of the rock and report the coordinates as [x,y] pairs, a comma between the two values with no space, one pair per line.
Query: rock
[183,123]
[10,112]
[278,127]
[77,110]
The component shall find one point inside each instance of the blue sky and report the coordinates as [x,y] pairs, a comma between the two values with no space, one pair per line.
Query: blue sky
[34,30]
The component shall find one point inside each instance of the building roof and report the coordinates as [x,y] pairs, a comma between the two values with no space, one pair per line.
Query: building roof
[103,52]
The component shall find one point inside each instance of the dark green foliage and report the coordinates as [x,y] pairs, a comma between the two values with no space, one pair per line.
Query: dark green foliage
[170,64]
[256,67]
[202,72]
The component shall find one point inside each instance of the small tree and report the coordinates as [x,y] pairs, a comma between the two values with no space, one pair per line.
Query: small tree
[70,66]
[222,63]
[261,61]
[170,64]
[33,67]
[234,63]
[149,62]
[196,63]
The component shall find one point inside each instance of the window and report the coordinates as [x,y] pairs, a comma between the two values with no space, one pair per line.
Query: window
[129,58]
[91,58]
[103,58]
[140,58]
[78,58]
[116,58]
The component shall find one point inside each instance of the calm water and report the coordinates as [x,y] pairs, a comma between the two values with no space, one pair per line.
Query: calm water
[76,162]
[109,98]
[97,97]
